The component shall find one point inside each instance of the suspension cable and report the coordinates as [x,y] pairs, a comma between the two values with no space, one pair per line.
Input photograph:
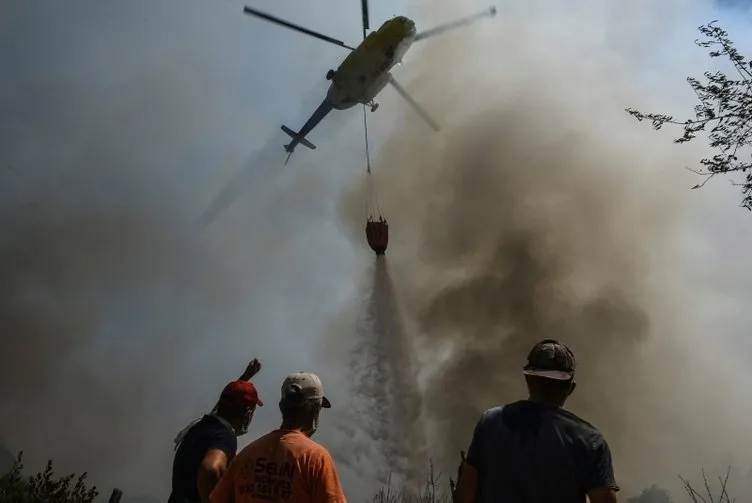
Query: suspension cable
[372,201]
[365,128]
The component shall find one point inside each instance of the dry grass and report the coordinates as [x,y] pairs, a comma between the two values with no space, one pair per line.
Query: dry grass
[707,495]
[432,492]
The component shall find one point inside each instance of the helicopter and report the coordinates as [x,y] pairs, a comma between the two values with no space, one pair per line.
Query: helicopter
[367,69]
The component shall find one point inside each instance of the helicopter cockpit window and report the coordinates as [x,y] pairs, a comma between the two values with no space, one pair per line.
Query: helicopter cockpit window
[400,51]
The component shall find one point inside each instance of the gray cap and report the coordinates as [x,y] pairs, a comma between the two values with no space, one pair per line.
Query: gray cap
[303,386]
[552,359]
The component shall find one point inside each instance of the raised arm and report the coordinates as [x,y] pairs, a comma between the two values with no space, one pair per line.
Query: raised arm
[251,370]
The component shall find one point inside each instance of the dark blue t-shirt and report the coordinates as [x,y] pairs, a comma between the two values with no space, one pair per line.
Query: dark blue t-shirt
[528,452]
[209,433]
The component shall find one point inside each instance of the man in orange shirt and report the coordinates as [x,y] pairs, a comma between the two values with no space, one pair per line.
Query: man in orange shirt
[286,465]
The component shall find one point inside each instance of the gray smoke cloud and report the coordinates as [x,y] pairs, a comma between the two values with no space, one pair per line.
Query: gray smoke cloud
[67,275]
[120,322]
[108,296]
[121,318]
[542,211]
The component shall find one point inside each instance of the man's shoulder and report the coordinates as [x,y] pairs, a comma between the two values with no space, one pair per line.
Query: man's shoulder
[260,444]
[580,423]
[293,441]
[217,428]
[206,434]
[209,422]
[263,440]
[312,447]
[207,426]
[313,452]
[525,407]
[496,413]
[584,430]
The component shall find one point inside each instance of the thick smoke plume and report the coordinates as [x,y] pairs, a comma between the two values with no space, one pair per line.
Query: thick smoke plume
[539,213]
[96,303]
[121,313]
[110,300]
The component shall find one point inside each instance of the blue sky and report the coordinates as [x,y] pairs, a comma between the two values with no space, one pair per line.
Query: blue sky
[143,111]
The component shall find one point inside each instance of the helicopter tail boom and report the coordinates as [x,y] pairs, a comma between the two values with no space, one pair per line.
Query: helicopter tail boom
[296,139]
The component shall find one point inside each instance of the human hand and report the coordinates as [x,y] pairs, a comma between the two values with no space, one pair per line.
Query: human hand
[251,370]
[452,483]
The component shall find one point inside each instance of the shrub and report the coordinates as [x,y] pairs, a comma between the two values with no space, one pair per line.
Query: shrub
[44,487]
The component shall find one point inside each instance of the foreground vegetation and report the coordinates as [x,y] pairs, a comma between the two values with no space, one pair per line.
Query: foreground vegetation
[46,487]
[435,492]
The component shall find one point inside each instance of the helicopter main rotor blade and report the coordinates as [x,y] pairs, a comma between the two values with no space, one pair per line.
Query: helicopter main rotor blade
[364,9]
[273,19]
[418,109]
[490,12]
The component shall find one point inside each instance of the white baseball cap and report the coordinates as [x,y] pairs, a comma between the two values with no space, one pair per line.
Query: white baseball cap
[303,386]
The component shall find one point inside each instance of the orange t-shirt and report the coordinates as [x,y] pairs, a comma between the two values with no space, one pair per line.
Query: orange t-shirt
[283,465]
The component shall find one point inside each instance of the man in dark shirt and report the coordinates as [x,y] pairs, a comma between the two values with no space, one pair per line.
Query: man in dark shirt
[209,444]
[534,451]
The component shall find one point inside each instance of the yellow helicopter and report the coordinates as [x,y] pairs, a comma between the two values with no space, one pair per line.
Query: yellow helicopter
[366,70]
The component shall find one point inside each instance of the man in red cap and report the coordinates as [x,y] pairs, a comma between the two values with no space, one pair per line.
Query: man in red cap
[206,447]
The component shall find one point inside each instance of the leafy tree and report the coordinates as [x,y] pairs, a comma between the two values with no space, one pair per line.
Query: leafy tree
[44,487]
[724,111]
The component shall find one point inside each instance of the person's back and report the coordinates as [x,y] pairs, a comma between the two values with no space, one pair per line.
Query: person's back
[534,452]
[284,465]
[209,433]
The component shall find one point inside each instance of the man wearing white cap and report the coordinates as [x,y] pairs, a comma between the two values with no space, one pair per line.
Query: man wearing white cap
[533,450]
[286,465]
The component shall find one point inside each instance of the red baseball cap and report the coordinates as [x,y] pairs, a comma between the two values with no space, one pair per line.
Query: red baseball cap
[241,394]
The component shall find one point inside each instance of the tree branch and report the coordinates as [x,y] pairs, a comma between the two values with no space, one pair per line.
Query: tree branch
[724,110]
